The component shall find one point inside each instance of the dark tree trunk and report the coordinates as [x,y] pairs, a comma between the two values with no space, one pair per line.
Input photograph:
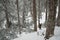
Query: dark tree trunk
[46,10]
[51,18]
[34,15]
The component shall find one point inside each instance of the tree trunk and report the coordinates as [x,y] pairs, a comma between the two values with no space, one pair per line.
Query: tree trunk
[24,14]
[34,15]
[51,18]
[46,11]
[46,14]
[39,14]
[23,19]
[58,18]
[18,16]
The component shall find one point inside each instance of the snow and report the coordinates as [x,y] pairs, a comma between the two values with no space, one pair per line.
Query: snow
[29,36]
[57,12]
[32,36]
[43,18]
[38,35]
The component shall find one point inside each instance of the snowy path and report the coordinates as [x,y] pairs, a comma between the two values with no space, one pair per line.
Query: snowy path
[34,36]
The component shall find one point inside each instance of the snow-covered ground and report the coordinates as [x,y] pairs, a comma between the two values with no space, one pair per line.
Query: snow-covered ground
[38,35]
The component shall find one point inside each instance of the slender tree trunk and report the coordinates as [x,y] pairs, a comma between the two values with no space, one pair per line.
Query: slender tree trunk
[46,10]
[51,18]
[46,16]
[34,15]
[23,14]
[39,14]
[18,16]
[23,19]
[58,18]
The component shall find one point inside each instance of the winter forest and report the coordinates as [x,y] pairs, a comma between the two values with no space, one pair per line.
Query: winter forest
[29,19]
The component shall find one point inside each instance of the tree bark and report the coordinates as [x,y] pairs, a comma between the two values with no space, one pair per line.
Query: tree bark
[51,18]
[34,15]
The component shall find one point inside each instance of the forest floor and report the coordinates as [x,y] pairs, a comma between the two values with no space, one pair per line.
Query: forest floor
[39,35]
